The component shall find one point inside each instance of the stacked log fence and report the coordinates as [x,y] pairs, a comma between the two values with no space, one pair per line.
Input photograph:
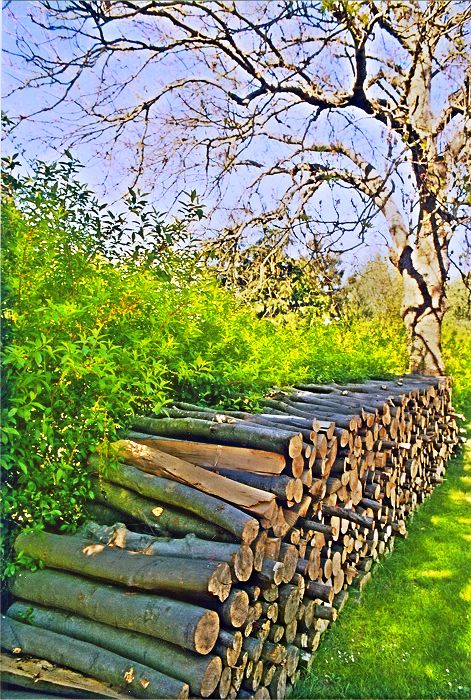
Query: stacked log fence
[224,544]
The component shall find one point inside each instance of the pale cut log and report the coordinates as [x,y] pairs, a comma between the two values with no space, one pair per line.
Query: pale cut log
[106,666]
[177,576]
[225,682]
[187,625]
[214,456]
[201,673]
[238,434]
[240,557]
[229,646]
[165,465]
[41,676]
[235,609]
[216,514]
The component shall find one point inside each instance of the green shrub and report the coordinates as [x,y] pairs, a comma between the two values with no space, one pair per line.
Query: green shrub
[99,326]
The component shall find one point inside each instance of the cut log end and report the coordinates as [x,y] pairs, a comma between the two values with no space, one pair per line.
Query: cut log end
[206,632]
[211,677]
[220,582]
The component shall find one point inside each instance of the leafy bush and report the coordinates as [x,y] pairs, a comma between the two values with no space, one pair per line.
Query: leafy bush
[99,325]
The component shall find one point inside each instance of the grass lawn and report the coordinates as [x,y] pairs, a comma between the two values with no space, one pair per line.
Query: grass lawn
[410,637]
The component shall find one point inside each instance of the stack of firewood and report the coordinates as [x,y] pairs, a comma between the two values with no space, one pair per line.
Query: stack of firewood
[228,542]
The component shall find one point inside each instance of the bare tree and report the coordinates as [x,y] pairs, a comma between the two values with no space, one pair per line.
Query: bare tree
[364,103]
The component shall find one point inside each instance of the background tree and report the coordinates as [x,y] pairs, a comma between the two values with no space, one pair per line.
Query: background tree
[322,110]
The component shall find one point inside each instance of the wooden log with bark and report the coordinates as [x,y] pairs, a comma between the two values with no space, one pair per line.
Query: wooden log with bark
[189,626]
[142,681]
[201,673]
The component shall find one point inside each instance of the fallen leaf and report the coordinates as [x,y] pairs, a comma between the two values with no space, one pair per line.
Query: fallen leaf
[17,650]
[144,682]
[157,511]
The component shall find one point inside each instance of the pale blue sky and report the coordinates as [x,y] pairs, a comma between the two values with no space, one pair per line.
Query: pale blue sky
[106,171]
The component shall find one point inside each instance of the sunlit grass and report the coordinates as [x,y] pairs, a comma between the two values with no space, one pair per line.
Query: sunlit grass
[410,637]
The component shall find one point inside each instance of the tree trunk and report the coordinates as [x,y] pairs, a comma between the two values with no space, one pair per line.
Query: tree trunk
[424,304]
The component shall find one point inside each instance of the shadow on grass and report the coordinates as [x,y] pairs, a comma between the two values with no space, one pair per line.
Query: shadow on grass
[410,635]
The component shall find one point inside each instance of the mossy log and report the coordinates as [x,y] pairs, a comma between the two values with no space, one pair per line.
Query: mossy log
[201,673]
[138,680]
[180,576]
[187,625]
[286,443]
[210,509]
[240,557]
[162,518]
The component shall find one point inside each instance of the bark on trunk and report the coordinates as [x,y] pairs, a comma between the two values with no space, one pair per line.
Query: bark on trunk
[424,305]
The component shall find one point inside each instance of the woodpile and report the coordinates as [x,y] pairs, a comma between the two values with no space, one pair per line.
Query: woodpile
[227,543]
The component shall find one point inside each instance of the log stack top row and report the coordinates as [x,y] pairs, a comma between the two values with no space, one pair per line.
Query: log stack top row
[224,543]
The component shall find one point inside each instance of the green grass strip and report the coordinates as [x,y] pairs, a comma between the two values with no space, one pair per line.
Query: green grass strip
[410,636]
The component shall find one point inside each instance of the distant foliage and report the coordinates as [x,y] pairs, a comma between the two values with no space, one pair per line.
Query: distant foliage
[278,282]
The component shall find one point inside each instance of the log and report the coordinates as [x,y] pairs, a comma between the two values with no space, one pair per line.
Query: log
[350,515]
[214,456]
[280,485]
[161,518]
[165,465]
[288,444]
[229,646]
[240,557]
[201,673]
[140,680]
[235,609]
[41,677]
[176,576]
[322,591]
[189,626]
[210,509]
